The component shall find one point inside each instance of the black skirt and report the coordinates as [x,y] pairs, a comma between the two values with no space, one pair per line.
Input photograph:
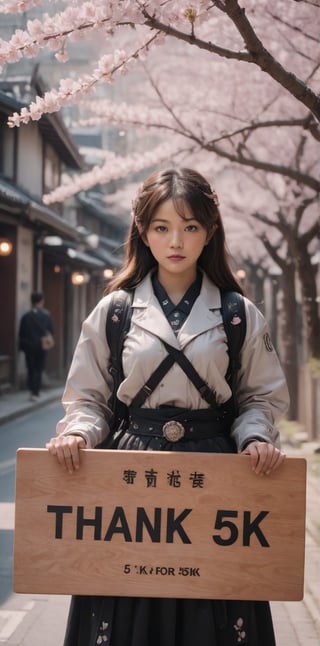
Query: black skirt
[126,621]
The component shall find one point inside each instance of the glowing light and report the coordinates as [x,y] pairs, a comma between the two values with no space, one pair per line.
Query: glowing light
[108,273]
[79,278]
[6,247]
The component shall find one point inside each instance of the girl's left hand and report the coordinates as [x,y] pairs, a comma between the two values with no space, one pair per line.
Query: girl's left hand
[265,457]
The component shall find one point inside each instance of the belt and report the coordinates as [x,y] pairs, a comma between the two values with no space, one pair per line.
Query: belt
[179,424]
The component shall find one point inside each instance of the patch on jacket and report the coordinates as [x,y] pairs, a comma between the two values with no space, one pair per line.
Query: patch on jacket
[268,342]
[236,320]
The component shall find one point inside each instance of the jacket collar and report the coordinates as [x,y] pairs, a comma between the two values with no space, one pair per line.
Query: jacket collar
[149,315]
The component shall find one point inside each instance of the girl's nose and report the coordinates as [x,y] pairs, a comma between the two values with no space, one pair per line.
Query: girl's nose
[176,240]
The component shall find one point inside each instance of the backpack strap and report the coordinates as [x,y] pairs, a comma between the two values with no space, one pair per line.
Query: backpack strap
[235,325]
[117,327]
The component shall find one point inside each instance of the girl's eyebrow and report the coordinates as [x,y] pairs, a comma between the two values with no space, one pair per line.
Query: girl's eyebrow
[165,220]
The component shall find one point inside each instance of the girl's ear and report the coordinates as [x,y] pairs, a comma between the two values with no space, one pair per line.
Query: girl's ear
[211,233]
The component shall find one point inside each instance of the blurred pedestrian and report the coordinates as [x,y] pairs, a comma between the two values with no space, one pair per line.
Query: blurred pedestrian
[35,339]
[176,269]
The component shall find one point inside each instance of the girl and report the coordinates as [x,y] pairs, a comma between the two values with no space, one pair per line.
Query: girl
[176,265]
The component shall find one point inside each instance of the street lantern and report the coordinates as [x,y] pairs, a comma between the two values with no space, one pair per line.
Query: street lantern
[107,273]
[6,247]
[80,277]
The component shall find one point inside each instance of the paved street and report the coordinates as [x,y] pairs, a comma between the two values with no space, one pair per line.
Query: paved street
[37,620]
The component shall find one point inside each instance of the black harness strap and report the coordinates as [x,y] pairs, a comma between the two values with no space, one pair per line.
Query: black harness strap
[206,393]
[152,382]
[177,356]
[118,324]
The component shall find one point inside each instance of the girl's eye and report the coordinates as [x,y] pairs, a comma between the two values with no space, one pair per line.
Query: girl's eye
[160,227]
[191,227]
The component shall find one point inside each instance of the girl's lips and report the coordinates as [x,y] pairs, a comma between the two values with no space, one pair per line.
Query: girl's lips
[176,257]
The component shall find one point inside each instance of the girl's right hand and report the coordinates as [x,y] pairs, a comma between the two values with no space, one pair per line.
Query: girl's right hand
[66,449]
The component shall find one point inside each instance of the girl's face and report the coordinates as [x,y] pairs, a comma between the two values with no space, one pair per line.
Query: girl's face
[175,243]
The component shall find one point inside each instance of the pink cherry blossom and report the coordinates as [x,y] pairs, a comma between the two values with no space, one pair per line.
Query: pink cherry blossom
[12,6]
[113,168]
[24,115]
[35,111]
[14,120]
[62,56]
[35,28]
[20,39]
[70,89]
[213,23]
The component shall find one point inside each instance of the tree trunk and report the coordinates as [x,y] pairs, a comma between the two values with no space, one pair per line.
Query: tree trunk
[307,276]
[254,284]
[289,337]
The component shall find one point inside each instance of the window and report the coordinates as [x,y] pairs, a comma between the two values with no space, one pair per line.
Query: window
[8,137]
[51,170]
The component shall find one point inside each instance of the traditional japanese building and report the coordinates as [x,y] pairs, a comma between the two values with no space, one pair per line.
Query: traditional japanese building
[63,250]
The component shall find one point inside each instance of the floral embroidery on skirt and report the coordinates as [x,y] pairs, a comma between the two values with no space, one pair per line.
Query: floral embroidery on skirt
[241,634]
[103,634]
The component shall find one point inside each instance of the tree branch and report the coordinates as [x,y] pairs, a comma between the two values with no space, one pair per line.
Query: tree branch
[238,158]
[300,150]
[300,211]
[305,123]
[293,27]
[183,128]
[263,59]
[296,175]
[265,219]
[272,251]
[314,3]
[309,235]
[154,23]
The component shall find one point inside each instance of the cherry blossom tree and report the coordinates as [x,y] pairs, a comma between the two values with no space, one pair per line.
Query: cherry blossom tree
[285,222]
[227,33]
[261,59]
[224,83]
[281,282]
[201,24]
[294,257]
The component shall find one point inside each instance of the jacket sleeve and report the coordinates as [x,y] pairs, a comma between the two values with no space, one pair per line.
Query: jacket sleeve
[29,337]
[50,323]
[23,345]
[262,392]
[89,383]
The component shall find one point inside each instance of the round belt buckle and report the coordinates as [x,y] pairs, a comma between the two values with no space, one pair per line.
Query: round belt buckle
[173,431]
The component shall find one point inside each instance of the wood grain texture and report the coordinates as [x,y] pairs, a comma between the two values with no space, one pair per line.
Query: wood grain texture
[115,528]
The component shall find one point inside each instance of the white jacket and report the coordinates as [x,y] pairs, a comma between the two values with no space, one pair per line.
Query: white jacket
[261,391]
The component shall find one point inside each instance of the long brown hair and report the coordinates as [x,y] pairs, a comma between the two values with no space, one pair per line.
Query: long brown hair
[183,186]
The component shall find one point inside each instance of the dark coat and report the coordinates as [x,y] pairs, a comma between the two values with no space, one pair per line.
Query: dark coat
[33,325]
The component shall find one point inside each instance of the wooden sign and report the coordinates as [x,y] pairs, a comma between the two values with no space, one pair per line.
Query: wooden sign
[159,524]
